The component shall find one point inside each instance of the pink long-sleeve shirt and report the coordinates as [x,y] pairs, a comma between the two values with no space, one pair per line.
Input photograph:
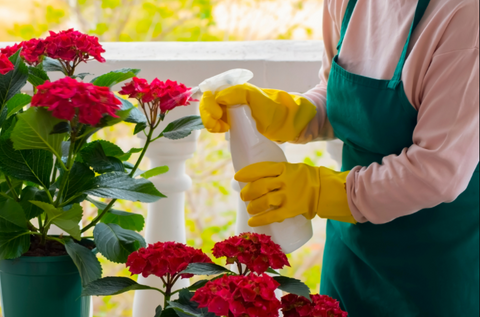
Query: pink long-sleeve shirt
[441,80]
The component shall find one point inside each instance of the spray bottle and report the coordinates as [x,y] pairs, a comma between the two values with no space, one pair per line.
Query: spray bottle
[248,146]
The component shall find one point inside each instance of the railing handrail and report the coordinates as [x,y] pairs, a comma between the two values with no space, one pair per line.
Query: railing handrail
[285,64]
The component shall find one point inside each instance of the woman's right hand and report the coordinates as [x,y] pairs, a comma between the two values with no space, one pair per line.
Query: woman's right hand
[279,116]
[214,115]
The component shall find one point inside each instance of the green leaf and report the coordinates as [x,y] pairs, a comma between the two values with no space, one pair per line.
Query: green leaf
[185,309]
[28,165]
[66,220]
[155,172]
[127,155]
[116,243]
[199,284]
[3,116]
[109,286]
[17,102]
[126,220]
[32,193]
[182,127]
[61,127]
[32,132]
[86,262]
[135,116]
[81,76]
[13,82]
[109,148]
[139,127]
[123,113]
[158,311]
[37,76]
[293,286]
[272,271]
[12,217]
[185,306]
[94,155]
[121,186]
[114,77]
[80,179]
[14,244]
[205,269]
[52,65]
[170,312]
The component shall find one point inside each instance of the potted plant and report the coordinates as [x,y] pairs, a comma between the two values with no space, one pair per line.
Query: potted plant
[248,291]
[49,167]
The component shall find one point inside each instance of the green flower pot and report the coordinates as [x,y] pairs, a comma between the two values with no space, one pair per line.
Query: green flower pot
[42,287]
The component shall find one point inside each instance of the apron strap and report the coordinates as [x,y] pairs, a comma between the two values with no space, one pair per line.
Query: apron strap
[345,22]
[421,8]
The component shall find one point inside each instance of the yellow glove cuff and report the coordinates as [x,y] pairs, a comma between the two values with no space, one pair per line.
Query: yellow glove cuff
[333,202]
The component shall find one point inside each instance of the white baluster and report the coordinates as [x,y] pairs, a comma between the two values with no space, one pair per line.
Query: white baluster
[166,217]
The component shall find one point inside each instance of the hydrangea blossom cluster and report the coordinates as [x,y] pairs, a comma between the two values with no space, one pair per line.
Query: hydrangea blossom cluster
[5,65]
[70,47]
[68,97]
[239,296]
[320,306]
[158,97]
[73,46]
[256,251]
[165,259]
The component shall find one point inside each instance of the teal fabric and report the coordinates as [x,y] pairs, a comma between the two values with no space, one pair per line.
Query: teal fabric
[426,264]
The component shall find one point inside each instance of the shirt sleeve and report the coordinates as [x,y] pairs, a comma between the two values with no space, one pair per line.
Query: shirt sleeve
[320,128]
[439,165]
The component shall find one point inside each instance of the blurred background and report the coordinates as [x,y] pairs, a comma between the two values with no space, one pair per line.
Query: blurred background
[211,204]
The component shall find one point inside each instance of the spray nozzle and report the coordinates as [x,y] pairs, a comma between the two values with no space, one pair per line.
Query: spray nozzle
[227,79]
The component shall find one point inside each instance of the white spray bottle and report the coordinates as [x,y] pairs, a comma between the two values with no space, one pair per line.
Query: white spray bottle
[248,146]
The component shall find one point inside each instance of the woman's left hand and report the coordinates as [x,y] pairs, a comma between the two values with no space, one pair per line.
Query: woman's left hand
[277,191]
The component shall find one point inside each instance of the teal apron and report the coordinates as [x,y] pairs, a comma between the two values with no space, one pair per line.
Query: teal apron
[425,264]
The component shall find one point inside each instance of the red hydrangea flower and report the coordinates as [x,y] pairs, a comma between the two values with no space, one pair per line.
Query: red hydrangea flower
[73,46]
[257,251]
[136,89]
[320,306]
[32,50]
[174,95]
[165,258]
[68,97]
[10,50]
[158,94]
[238,296]
[5,65]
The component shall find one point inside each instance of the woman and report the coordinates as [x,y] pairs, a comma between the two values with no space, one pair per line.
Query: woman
[399,86]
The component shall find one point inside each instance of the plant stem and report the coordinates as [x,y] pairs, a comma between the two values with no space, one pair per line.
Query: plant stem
[31,227]
[132,173]
[56,239]
[145,148]
[5,195]
[54,174]
[44,231]
[100,216]
[40,223]
[15,196]
[67,172]
[168,291]
[239,267]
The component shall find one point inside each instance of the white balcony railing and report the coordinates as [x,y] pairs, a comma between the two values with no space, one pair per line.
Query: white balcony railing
[288,65]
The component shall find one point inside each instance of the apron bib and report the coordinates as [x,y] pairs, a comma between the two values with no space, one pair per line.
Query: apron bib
[425,264]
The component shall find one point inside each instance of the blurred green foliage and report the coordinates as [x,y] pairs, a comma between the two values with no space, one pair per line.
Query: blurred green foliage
[158,20]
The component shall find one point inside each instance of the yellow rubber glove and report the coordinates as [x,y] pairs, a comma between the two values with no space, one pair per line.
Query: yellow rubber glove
[279,116]
[277,191]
